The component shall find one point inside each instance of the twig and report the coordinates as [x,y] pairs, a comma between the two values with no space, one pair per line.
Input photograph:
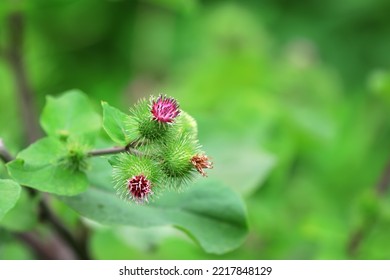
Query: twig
[107,151]
[5,156]
[115,150]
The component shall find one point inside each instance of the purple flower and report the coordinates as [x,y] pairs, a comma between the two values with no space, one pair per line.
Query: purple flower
[139,188]
[165,109]
[200,162]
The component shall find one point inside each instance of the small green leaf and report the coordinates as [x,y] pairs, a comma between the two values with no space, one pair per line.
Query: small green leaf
[209,212]
[24,215]
[9,195]
[114,123]
[41,166]
[70,115]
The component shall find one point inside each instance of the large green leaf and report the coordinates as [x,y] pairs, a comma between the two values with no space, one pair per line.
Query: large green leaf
[9,195]
[70,115]
[243,167]
[41,166]
[99,172]
[114,123]
[209,212]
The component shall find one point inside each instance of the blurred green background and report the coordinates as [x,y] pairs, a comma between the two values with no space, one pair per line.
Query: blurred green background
[291,98]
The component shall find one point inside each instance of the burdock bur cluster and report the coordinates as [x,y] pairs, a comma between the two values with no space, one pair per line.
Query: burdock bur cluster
[166,152]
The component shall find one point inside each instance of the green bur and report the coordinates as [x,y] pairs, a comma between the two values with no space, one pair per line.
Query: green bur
[167,147]
[176,154]
[142,125]
[126,166]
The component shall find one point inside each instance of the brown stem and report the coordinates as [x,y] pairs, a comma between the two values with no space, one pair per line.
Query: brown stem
[58,226]
[359,235]
[5,156]
[384,183]
[63,251]
[107,151]
[14,55]
[51,249]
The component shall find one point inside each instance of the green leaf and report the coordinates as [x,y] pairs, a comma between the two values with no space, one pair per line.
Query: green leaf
[242,167]
[209,212]
[41,166]
[9,195]
[70,115]
[114,123]
[100,173]
[24,215]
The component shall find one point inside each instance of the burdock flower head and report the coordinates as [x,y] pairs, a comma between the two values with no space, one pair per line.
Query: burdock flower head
[200,162]
[151,119]
[139,188]
[165,109]
[136,178]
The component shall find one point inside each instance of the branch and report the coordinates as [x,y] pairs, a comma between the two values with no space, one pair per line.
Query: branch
[358,236]
[58,226]
[384,183]
[14,55]
[51,249]
[47,215]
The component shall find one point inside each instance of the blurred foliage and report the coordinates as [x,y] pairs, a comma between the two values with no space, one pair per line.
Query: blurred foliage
[291,98]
